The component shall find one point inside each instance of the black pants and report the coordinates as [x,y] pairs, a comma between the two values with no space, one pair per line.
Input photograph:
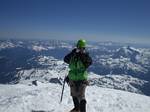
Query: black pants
[77,89]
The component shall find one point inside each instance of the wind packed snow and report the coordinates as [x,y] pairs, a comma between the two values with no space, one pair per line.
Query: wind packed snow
[45,97]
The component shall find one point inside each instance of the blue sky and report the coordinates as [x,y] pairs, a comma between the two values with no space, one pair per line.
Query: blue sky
[98,20]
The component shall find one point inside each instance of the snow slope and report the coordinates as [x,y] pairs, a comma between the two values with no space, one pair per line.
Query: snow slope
[45,98]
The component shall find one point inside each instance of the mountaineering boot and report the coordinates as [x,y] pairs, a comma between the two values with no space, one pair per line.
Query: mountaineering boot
[76,105]
[83,106]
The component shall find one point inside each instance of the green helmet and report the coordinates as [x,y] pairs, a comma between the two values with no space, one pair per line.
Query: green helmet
[81,43]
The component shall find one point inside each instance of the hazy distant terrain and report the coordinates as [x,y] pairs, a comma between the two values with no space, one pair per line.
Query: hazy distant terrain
[120,66]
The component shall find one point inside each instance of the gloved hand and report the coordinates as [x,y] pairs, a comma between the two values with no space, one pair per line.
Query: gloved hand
[67,80]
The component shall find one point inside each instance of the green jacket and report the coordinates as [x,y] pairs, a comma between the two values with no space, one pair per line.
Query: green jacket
[78,64]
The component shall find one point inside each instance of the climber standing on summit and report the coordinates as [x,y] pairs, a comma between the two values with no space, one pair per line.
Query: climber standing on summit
[79,61]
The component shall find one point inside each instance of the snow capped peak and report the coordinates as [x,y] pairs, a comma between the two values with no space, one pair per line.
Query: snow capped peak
[133,49]
[39,48]
[6,44]
[128,50]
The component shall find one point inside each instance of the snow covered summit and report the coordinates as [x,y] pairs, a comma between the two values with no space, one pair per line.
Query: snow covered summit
[45,97]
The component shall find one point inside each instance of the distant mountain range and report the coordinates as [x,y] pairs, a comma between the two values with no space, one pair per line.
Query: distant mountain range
[115,65]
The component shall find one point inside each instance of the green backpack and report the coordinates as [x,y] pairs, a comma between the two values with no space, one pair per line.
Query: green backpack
[77,70]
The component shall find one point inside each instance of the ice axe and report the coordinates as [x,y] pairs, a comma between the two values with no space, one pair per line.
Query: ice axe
[62,93]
